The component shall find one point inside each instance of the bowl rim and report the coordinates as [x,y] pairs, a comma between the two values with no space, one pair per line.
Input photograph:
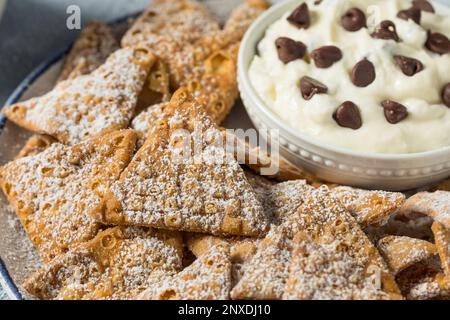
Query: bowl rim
[245,83]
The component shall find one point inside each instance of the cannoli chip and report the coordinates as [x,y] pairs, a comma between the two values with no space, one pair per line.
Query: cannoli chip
[207,278]
[94,45]
[116,264]
[329,271]
[183,179]
[442,241]
[54,191]
[402,252]
[78,108]
[435,205]
[369,207]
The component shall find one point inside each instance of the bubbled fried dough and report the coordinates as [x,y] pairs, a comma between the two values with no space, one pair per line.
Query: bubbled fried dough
[442,241]
[207,278]
[117,264]
[329,271]
[91,49]
[85,106]
[402,252]
[369,207]
[183,179]
[54,191]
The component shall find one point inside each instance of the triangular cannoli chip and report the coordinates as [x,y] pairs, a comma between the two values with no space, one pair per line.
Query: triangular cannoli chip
[241,250]
[94,45]
[183,179]
[323,218]
[442,241]
[35,144]
[208,278]
[369,207]
[402,252]
[117,264]
[54,191]
[331,271]
[82,107]
[435,205]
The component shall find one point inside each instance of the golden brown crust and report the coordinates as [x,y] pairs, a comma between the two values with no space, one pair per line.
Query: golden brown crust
[401,253]
[85,106]
[183,179]
[208,278]
[442,241]
[54,191]
[117,264]
[94,45]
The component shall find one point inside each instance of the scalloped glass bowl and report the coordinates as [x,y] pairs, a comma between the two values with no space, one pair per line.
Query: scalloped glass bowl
[334,164]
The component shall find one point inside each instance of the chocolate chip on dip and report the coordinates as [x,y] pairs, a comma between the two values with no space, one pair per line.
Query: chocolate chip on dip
[437,43]
[325,56]
[309,87]
[423,5]
[347,115]
[394,111]
[411,13]
[363,73]
[353,20]
[446,95]
[386,30]
[300,17]
[409,66]
[289,50]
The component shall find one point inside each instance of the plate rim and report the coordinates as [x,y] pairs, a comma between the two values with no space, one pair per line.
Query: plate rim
[6,281]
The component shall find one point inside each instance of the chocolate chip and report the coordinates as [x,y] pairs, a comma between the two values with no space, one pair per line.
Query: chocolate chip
[353,20]
[300,17]
[317,2]
[446,95]
[289,50]
[394,111]
[363,73]
[348,116]
[411,13]
[437,43]
[309,87]
[325,56]
[386,30]
[409,66]
[423,5]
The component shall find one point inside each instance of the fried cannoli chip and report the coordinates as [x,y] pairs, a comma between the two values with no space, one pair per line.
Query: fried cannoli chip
[94,45]
[182,20]
[82,107]
[369,207]
[443,186]
[402,252]
[157,86]
[442,241]
[324,218]
[331,271]
[117,264]
[208,278]
[35,144]
[241,250]
[183,179]
[54,191]
[435,205]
